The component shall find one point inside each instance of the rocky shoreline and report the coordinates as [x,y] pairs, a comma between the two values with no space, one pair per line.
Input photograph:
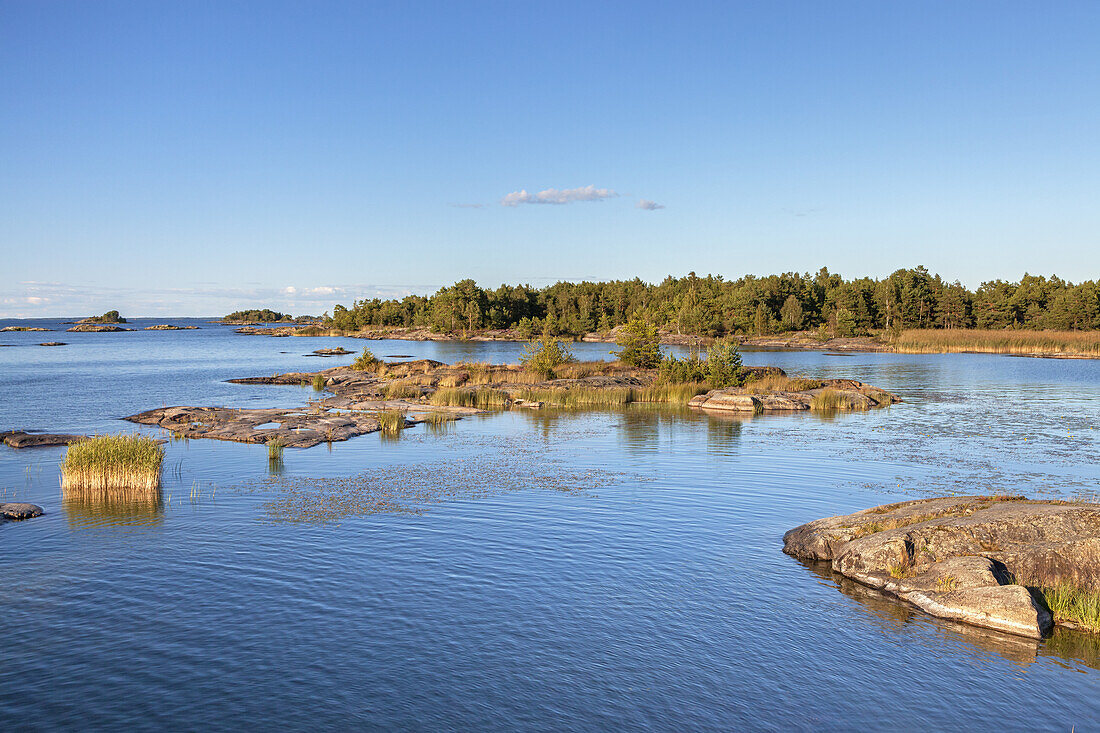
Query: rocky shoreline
[978,560]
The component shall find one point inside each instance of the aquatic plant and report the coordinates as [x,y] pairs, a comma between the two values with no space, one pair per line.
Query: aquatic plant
[109,463]
[391,421]
[318,382]
[1085,343]
[274,450]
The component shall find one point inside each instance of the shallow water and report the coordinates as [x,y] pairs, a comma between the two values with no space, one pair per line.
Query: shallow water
[535,571]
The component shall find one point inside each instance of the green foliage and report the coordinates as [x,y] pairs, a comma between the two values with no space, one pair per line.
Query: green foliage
[721,368]
[907,299]
[318,382]
[543,355]
[366,361]
[258,315]
[108,317]
[640,344]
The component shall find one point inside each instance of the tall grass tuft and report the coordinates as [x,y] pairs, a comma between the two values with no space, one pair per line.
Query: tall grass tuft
[392,421]
[780,383]
[274,450]
[483,399]
[833,399]
[935,341]
[401,390]
[318,383]
[112,465]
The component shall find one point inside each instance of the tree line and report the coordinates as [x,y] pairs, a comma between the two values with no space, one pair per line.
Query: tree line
[750,305]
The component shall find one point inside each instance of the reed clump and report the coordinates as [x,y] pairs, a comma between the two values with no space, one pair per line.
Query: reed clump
[936,341]
[392,421]
[402,390]
[274,450]
[112,464]
[615,396]
[318,383]
[780,383]
[834,399]
[482,399]
[1069,604]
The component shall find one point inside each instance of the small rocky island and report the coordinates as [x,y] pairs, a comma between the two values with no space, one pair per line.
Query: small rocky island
[1000,562]
[428,390]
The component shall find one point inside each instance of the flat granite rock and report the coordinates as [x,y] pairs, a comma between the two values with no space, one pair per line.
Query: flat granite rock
[961,557]
[857,396]
[20,439]
[19,510]
[97,328]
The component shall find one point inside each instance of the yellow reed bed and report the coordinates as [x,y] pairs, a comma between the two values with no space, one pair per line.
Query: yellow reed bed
[112,465]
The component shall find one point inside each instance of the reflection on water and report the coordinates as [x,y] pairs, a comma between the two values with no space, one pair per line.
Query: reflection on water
[892,616]
[86,509]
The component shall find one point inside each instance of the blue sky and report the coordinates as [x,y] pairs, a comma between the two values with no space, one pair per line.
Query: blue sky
[188,158]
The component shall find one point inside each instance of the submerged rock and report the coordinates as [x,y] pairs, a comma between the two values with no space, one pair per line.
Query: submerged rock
[338,351]
[961,557]
[19,510]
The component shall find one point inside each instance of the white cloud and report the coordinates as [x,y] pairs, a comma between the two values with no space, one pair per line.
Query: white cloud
[556,196]
[649,205]
[42,300]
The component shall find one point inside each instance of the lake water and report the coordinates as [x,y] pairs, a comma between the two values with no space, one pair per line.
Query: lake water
[532,571]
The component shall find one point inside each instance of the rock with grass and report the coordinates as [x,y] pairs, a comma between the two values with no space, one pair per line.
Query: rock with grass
[97,328]
[1005,563]
[780,393]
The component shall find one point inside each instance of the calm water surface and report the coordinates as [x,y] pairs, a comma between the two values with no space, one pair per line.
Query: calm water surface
[544,571]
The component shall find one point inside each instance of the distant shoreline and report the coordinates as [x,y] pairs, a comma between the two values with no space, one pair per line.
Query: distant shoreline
[1036,344]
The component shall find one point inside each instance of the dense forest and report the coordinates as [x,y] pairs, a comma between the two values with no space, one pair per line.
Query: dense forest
[714,306]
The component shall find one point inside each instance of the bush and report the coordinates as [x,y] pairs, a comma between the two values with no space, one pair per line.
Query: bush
[723,365]
[641,344]
[721,368]
[543,355]
[365,361]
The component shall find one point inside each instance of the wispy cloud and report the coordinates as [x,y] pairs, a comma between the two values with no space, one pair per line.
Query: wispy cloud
[47,299]
[468,206]
[558,196]
[648,205]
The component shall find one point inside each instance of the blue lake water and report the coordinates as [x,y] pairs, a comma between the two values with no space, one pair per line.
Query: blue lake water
[545,570]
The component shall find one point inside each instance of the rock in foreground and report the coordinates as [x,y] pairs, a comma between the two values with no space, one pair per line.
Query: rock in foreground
[960,557]
[19,510]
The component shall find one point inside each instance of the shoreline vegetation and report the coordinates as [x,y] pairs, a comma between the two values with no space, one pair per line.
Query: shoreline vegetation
[792,310]
[1010,342]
